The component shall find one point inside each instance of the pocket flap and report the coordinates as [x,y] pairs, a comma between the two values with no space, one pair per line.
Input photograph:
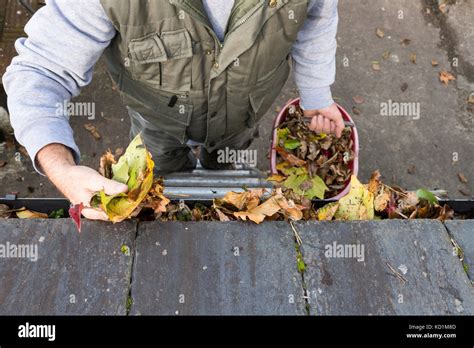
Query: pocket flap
[177,44]
[148,49]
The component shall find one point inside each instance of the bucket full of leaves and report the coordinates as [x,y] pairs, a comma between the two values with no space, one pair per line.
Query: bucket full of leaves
[316,166]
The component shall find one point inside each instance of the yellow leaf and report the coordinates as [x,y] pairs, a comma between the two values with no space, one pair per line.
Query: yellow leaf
[282,166]
[276,178]
[29,214]
[358,204]
[327,212]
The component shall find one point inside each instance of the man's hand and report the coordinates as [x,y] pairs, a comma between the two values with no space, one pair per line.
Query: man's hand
[328,120]
[76,183]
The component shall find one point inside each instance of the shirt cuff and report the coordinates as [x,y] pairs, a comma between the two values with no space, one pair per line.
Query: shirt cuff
[38,136]
[315,98]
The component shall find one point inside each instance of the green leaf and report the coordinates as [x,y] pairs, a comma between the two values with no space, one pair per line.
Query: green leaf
[301,265]
[317,187]
[317,137]
[105,200]
[427,195]
[57,214]
[291,144]
[283,134]
[125,250]
[294,182]
[133,162]
[121,172]
[294,171]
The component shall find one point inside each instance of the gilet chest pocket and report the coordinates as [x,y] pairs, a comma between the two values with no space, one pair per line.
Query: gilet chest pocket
[163,60]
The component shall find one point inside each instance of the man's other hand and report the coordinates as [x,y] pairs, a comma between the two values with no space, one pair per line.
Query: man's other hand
[328,120]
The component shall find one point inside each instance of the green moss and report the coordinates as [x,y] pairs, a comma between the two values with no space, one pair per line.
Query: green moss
[129,304]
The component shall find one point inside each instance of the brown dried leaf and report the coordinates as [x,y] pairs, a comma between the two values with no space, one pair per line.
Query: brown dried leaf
[380,33]
[411,169]
[221,215]
[445,77]
[374,182]
[105,167]
[408,201]
[376,66]
[4,211]
[290,158]
[258,214]
[244,200]
[405,42]
[93,130]
[290,209]
[471,99]
[382,200]
[462,178]
[238,200]
[446,213]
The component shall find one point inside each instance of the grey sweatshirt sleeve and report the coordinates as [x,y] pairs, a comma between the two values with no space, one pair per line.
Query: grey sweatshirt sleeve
[65,40]
[314,54]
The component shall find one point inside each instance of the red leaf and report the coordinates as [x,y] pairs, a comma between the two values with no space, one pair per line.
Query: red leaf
[75,214]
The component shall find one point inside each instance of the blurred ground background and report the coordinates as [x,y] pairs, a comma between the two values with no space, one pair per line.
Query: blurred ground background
[429,152]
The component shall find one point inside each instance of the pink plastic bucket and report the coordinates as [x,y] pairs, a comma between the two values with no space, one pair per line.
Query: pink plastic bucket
[353,165]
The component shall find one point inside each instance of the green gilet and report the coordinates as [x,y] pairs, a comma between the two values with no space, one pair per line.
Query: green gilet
[169,64]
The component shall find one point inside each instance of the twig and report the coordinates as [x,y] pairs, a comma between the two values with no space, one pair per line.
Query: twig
[329,160]
[396,273]
[459,251]
[402,215]
[297,235]
[392,189]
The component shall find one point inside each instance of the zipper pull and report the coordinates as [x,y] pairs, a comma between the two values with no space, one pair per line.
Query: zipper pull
[173,101]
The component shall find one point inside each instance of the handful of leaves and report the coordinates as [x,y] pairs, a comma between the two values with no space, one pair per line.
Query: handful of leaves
[312,165]
[135,169]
